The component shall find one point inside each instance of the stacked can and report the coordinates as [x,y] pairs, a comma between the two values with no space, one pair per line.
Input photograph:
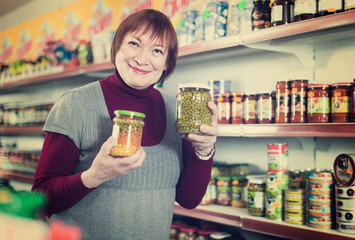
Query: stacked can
[344,166]
[277,180]
[295,206]
[320,199]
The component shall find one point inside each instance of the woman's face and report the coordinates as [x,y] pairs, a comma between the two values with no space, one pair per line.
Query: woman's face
[141,60]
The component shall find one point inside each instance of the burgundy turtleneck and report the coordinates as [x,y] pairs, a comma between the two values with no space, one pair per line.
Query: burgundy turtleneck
[59,155]
[148,101]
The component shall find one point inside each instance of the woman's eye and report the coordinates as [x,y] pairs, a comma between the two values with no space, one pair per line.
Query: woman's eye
[158,51]
[133,43]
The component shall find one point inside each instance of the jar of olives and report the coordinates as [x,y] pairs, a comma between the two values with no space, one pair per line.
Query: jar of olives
[256,195]
[127,129]
[191,108]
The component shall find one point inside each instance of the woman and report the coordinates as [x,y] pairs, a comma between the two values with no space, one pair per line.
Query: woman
[132,197]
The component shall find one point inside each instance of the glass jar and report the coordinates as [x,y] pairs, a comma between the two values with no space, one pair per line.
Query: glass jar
[280,12]
[256,195]
[250,107]
[238,184]
[175,229]
[318,110]
[127,129]
[204,234]
[266,108]
[299,101]
[192,110]
[224,108]
[326,7]
[305,9]
[282,114]
[349,5]
[224,196]
[237,108]
[260,16]
[219,235]
[187,233]
[341,102]
[239,169]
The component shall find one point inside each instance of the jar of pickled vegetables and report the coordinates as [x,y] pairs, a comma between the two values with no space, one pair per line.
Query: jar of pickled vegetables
[127,129]
[191,108]
[256,195]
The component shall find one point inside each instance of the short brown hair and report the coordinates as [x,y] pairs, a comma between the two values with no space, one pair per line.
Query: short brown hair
[160,27]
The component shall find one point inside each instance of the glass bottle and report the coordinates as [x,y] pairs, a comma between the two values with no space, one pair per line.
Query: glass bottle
[260,17]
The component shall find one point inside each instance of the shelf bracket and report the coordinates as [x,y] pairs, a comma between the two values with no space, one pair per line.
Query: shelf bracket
[304,52]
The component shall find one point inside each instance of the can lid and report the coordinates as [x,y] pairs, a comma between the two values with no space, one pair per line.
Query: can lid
[342,84]
[129,113]
[194,85]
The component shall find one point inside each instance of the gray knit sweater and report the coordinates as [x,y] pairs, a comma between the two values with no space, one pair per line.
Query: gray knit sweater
[138,205]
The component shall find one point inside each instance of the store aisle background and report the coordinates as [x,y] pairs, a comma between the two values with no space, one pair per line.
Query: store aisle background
[249,71]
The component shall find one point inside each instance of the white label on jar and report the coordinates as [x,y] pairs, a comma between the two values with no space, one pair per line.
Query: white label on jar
[349,4]
[330,5]
[305,6]
[277,13]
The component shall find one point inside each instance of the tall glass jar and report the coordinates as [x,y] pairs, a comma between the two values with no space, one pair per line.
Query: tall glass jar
[299,101]
[256,195]
[318,110]
[250,108]
[224,108]
[237,108]
[191,108]
[266,108]
[341,102]
[305,9]
[127,129]
[282,114]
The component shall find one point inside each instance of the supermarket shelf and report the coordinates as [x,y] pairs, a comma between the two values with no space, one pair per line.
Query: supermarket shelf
[239,217]
[17,176]
[66,73]
[288,130]
[336,27]
[35,130]
[213,213]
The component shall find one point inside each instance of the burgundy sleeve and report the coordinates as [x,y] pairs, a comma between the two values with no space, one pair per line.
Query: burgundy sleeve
[55,176]
[194,179]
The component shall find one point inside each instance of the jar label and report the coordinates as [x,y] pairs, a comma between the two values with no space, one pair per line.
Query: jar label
[329,5]
[341,104]
[318,105]
[305,6]
[349,4]
[237,110]
[224,109]
[265,110]
[256,199]
[298,101]
[277,13]
[250,109]
[282,103]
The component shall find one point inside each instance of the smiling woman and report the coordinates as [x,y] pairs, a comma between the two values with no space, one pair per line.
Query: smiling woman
[130,197]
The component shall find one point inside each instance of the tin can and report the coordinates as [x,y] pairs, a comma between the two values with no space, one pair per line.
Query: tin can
[345,216]
[346,227]
[319,209]
[276,183]
[344,167]
[345,203]
[295,195]
[295,218]
[345,192]
[274,207]
[319,221]
[278,157]
[295,206]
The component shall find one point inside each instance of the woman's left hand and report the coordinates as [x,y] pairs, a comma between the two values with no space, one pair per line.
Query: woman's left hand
[203,144]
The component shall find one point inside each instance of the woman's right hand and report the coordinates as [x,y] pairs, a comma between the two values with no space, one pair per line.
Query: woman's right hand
[105,167]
